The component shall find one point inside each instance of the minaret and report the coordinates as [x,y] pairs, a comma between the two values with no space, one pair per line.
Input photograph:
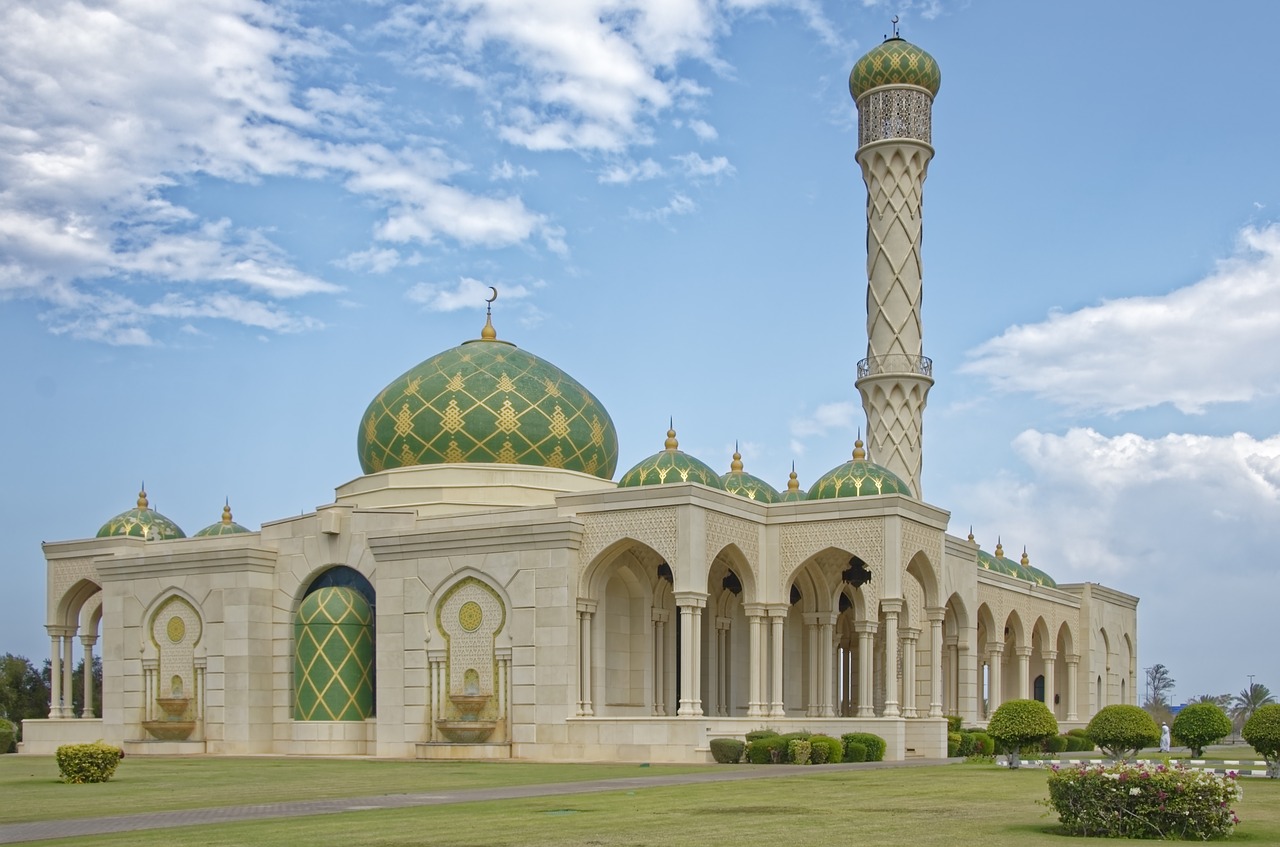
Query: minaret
[894,86]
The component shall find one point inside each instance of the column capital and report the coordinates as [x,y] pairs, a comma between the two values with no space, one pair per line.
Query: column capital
[1023,652]
[56,631]
[866,627]
[936,614]
[587,606]
[778,610]
[1072,658]
[995,648]
[691,598]
[755,610]
[1049,655]
[892,605]
[909,633]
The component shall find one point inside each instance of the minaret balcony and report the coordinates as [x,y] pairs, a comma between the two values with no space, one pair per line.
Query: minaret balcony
[895,363]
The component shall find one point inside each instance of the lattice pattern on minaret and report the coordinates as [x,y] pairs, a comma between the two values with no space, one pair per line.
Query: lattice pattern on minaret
[895,404]
[894,174]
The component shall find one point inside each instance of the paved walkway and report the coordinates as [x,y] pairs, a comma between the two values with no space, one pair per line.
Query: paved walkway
[19,832]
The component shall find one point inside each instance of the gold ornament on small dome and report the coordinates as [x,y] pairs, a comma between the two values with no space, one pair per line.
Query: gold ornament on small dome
[736,465]
[793,482]
[999,548]
[226,513]
[671,442]
[858,453]
[1025,560]
[142,497]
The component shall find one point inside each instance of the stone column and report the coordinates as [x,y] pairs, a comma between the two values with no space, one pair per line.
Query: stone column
[995,682]
[826,663]
[586,616]
[892,657]
[777,616]
[723,628]
[866,685]
[1050,657]
[87,642]
[1073,675]
[1024,672]
[755,664]
[910,640]
[697,659]
[68,710]
[55,673]
[689,604]
[812,706]
[935,662]
[659,663]
[953,673]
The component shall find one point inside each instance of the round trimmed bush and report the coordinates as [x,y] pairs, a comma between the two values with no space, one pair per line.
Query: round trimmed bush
[727,751]
[983,744]
[757,734]
[1262,732]
[826,750]
[81,763]
[855,751]
[1021,722]
[875,745]
[1055,744]
[1200,724]
[1121,730]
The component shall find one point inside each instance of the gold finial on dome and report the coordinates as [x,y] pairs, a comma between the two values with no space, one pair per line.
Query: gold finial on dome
[489,333]
[858,452]
[736,465]
[970,533]
[793,484]
[1025,560]
[226,512]
[671,443]
[142,497]
[999,548]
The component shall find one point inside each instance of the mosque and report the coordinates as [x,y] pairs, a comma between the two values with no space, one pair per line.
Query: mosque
[487,590]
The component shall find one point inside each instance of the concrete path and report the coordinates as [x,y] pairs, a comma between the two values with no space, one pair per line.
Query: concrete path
[19,832]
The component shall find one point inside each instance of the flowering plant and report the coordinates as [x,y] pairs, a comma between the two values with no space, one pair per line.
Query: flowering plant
[1136,801]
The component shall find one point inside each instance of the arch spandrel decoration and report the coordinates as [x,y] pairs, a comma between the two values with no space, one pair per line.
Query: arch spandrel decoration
[917,538]
[471,615]
[655,528]
[863,537]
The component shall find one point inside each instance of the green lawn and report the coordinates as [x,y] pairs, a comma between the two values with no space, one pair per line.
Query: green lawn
[948,806]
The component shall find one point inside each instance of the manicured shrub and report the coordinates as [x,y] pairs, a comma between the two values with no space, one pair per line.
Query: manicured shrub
[1021,722]
[1120,731]
[855,751]
[983,745]
[1126,801]
[758,752]
[8,732]
[1079,731]
[875,745]
[79,763]
[798,751]
[1262,732]
[953,744]
[727,751]
[954,723]
[1055,744]
[757,734]
[1078,743]
[826,750]
[1200,724]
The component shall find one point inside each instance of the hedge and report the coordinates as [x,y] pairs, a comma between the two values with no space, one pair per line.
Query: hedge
[80,763]
[826,750]
[875,746]
[855,751]
[1124,801]
[727,751]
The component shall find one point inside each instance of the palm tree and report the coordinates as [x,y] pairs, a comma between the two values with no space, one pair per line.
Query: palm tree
[1248,701]
[1222,701]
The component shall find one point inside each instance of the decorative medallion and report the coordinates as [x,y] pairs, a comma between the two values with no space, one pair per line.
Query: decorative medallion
[470,616]
[176,629]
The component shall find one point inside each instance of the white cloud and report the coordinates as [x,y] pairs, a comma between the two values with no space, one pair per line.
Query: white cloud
[704,130]
[467,293]
[507,171]
[624,173]
[697,167]
[825,418]
[108,107]
[1191,348]
[679,204]
[589,75]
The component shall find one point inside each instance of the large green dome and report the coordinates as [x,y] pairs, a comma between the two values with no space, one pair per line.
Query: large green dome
[737,481]
[487,401]
[857,478]
[670,466]
[895,62]
[142,522]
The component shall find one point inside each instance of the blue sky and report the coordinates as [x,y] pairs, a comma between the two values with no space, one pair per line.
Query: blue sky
[226,225]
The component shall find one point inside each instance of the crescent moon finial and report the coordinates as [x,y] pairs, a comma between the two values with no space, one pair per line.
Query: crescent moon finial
[493,295]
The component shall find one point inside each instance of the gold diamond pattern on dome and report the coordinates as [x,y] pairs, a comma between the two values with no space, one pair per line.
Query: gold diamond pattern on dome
[333,658]
[487,401]
[895,62]
[670,466]
[141,522]
[857,478]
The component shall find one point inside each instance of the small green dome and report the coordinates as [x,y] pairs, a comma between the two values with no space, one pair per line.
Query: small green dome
[1000,564]
[737,481]
[670,466]
[226,526]
[895,62]
[857,478]
[1036,575]
[794,492]
[142,522]
[487,401]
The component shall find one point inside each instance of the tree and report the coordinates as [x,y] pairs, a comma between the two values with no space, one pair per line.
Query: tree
[23,692]
[1120,731]
[1020,722]
[1262,732]
[1248,701]
[1159,685]
[1223,701]
[1199,724]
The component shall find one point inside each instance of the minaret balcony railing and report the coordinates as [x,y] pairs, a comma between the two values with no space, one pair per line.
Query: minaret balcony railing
[892,112]
[895,363]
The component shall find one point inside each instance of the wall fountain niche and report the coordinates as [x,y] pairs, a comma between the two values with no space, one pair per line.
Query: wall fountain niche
[173,706]
[469,680]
